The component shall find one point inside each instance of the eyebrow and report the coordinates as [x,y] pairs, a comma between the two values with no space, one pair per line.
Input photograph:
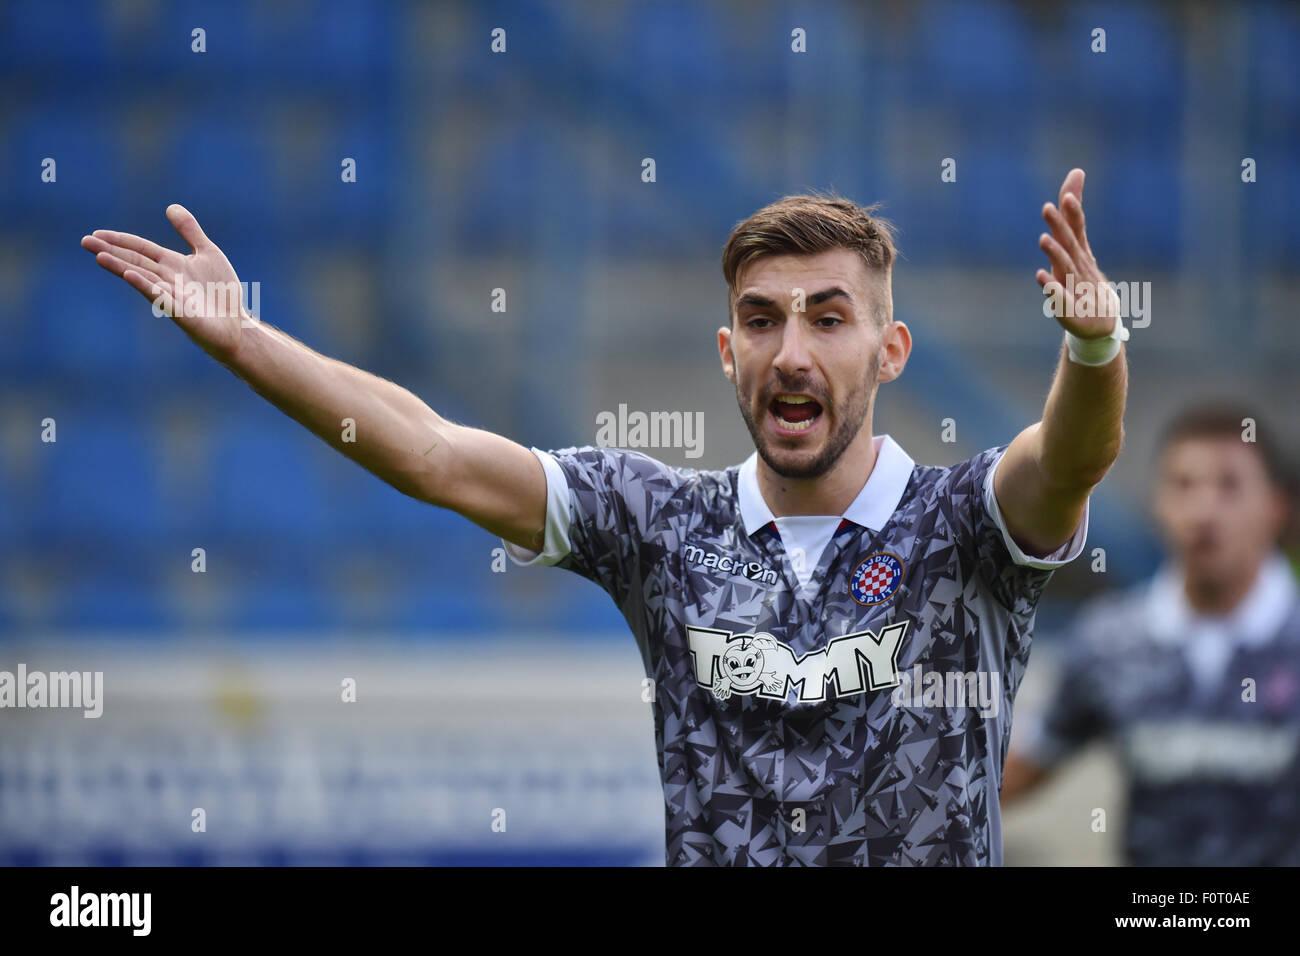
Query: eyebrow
[817,298]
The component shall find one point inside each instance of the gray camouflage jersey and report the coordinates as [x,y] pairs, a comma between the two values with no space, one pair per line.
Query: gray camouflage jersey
[1204,714]
[861,721]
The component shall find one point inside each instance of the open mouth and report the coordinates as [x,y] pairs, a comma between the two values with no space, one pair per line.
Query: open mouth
[795,413]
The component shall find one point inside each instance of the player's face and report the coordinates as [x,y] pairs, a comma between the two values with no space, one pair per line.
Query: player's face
[1219,512]
[806,356]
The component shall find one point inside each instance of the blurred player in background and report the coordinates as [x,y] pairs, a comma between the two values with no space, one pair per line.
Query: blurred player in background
[1195,675]
[779,738]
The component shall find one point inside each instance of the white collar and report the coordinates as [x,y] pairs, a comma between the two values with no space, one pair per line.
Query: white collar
[1252,622]
[873,506]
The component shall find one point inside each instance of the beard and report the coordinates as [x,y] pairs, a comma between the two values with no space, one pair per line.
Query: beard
[849,419]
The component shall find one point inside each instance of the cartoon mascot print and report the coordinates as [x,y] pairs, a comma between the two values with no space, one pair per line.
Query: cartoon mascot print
[747,665]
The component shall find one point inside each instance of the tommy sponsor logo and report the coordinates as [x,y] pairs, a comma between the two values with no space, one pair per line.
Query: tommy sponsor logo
[758,664]
[102,909]
[721,562]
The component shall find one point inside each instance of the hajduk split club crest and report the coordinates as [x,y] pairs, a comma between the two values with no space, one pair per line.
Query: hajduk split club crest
[876,578]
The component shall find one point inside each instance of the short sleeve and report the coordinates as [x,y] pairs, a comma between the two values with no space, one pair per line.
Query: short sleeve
[556,544]
[1061,556]
[601,505]
[1014,578]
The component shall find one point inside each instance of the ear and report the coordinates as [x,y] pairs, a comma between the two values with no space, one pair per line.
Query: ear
[895,347]
[726,355]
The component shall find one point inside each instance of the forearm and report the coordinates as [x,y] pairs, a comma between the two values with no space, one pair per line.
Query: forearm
[390,432]
[1082,428]
[1020,777]
[496,483]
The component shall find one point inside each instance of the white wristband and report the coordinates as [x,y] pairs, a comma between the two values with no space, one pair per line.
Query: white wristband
[1096,351]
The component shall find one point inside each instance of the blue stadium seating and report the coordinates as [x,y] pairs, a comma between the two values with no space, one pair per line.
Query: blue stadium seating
[498,151]
[54,33]
[981,52]
[117,599]
[1136,210]
[1143,65]
[86,153]
[264,481]
[100,481]
[1274,37]
[1270,204]
[223,158]
[79,319]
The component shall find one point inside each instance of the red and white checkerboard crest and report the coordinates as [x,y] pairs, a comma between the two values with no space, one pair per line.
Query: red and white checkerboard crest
[876,578]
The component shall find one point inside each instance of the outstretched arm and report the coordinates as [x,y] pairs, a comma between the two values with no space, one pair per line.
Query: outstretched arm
[1044,479]
[491,480]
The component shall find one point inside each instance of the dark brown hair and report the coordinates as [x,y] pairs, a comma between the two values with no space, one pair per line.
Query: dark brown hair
[1223,419]
[808,224]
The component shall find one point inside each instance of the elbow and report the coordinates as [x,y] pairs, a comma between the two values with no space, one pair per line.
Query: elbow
[1091,478]
[1083,471]
[1106,459]
[1079,479]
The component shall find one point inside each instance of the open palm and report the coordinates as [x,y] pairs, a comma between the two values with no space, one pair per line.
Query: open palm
[199,291]
[1092,308]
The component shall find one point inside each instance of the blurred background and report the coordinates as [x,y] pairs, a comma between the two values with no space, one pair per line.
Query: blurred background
[522,171]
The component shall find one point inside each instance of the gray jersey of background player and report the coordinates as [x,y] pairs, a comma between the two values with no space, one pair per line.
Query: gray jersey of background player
[1194,676]
[784,746]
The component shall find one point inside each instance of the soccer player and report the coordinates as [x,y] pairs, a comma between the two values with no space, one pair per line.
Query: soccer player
[776,604]
[1195,674]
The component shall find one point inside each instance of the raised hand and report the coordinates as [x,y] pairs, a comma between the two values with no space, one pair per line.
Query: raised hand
[1080,297]
[200,291]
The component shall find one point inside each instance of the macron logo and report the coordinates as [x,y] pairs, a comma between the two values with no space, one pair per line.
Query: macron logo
[728,565]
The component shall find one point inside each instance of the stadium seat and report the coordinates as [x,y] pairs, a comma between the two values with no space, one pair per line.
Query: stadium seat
[1141,74]
[85,153]
[496,211]
[115,599]
[329,41]
[101,480]
[82,321]
[979,51]
[1135,208]
[1270,227]
[1274,38]
[670,50]
[222,157]
[55,33]
[266,483]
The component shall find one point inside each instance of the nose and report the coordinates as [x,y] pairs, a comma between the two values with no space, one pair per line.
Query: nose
[793,358]
[1202,508]
[1202,502]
